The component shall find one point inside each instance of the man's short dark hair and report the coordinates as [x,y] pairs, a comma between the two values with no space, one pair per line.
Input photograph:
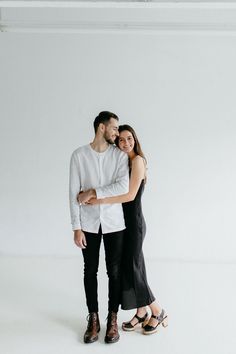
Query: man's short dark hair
[104,118]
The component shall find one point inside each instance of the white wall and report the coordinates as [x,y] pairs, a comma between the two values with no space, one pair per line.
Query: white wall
[177,90]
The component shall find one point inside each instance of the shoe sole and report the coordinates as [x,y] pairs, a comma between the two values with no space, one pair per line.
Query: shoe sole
[142,324]
[128,329]
[164,324]
[91,341]
[107,341]
[151,332]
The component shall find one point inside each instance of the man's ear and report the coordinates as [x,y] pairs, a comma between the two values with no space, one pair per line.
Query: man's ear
[101,127]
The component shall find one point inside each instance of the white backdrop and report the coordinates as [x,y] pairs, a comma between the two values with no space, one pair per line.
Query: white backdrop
[176,90]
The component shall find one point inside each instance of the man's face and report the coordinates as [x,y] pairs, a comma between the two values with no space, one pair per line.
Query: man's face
[111,131]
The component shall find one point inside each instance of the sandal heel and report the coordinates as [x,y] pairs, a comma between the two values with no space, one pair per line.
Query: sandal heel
[165,322]
[145,322]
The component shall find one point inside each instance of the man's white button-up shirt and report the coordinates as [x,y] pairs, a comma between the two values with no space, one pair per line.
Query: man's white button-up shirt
[107,172]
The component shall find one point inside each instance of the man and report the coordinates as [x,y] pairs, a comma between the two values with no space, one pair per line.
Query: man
[99,170]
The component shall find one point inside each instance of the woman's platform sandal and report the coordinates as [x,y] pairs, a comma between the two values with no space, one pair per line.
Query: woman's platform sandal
[162,319]
[127,326]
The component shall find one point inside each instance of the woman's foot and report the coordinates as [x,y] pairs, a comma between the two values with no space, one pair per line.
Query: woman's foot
[154,322]
[135,321]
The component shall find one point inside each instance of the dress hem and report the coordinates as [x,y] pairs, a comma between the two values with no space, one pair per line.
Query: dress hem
[137,305]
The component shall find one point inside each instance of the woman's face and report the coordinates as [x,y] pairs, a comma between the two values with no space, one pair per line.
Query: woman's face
[126,141]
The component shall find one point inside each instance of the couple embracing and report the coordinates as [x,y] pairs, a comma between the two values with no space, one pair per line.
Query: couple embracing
[107,179]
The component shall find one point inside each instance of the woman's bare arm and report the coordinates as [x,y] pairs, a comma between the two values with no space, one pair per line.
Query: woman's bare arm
[137,174]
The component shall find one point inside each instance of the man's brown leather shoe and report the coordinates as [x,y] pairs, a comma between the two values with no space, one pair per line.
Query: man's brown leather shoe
[93,328]
[112,334]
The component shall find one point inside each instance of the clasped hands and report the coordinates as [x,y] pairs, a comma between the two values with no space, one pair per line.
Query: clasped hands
[87,197]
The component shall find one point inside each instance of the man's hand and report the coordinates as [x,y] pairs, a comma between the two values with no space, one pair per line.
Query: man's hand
[80,239]
[84,197]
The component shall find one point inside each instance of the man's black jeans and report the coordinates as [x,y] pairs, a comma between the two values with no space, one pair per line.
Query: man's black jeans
[113,244]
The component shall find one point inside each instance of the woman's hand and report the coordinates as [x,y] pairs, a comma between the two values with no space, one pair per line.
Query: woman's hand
[94,201]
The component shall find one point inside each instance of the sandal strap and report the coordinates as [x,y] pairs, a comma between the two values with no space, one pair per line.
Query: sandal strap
[140,319]
[159,317]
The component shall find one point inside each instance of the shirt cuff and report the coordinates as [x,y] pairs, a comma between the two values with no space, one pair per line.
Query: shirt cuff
[76,227]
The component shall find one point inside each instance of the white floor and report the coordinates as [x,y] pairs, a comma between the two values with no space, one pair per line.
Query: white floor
[42,308]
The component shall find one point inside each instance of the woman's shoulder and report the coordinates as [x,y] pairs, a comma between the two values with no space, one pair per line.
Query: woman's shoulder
[139,162]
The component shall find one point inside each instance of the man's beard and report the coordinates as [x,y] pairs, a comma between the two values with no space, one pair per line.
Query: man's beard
[108,140]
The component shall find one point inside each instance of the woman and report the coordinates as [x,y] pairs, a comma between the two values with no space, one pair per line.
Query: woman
[135,290]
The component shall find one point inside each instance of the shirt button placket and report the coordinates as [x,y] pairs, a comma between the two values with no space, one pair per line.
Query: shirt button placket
[100,183]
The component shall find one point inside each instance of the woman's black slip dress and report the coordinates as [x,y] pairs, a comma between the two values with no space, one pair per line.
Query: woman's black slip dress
[135,289]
